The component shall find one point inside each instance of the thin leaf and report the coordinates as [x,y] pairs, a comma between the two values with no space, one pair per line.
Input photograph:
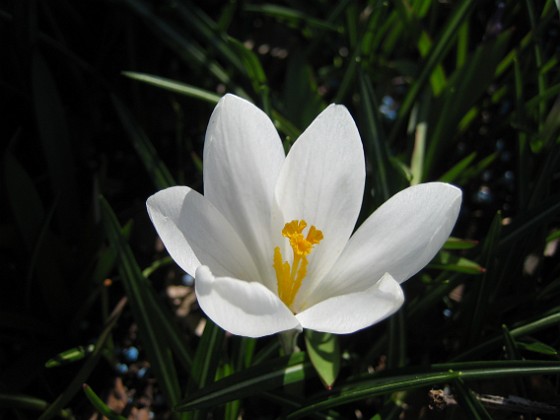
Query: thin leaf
[27,402]
[469,403]
[374,139]
[161,177]
[207,357]
[538,347]
[452,174]
[546,320]
[186,48]
[323,350]
[482,292]
[446,261]
[438,51]
[87,368]
[464,88]
[255,73]
[70,356]
[263,377]
[292,16]
[394,381]
[512,350]
[526,224]
[453,243]
[100,406]
[174,86]
[138,290]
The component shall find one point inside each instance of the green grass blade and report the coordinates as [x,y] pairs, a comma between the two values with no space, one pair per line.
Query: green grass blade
[438,51]
[402,380]
[450,262]
[206,362]
[376,388]
[244,351]
[87,368]
[254,72]
[100,406]
[192,54]
[548,319]
[465,87]
[302,101]
[456,243]
[510,345]
[160,175]
[396,349]
[455,172]
[198,21]
[138,289]
[207,357]
[483,287]
[70,356]
[538,347]
[292,16]
[541,81]
[26,402]
[263,377]
[529,222]
[174,86]
[469,403]
[541,188]
[292,402]
[374,139]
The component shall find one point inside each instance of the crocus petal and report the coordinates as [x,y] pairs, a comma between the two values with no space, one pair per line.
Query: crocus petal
[351,312]
[322,182]
[194,233]
[399,238]
[243,155]
[243,308]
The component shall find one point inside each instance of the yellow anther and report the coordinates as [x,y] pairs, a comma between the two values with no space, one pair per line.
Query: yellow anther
[293,228]
[314,236]
[290,278]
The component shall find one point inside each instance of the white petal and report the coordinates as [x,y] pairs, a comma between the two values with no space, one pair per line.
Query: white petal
[399,238]
[194,233]
[353,311]
[240,307]
[243,155]
[322,182]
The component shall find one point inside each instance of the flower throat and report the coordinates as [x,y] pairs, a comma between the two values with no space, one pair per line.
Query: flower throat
[290,278]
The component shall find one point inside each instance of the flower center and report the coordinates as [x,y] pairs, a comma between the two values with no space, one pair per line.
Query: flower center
[290,278]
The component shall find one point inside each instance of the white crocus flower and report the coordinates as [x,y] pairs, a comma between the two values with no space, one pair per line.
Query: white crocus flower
[270,243]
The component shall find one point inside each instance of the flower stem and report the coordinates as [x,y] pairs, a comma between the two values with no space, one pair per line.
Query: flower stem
[288,341]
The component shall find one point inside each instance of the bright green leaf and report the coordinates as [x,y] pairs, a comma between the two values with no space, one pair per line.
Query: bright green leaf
[324,352]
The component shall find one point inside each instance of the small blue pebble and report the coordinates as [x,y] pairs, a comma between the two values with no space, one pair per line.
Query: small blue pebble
[122,368]
[142,372]
[484,195]
[131,354]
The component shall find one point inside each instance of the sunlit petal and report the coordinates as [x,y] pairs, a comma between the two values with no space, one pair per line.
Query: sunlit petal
[194,233]
[322,182]
[350,312]
[399,238]
[240,307]
[243,155]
